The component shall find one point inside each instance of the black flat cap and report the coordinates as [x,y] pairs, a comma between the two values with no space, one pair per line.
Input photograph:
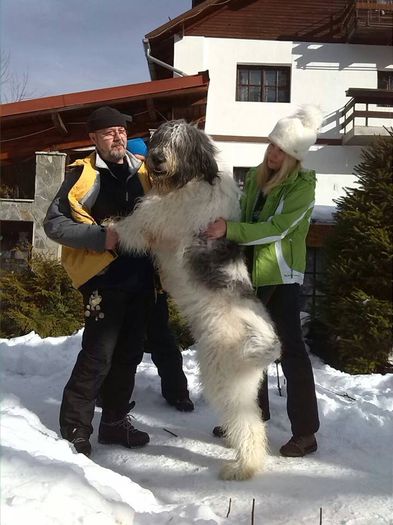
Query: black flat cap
[106,117]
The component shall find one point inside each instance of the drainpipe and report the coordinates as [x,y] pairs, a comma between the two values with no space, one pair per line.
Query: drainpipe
[151,59]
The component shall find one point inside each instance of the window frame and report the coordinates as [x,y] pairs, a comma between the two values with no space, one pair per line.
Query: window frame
[263,86]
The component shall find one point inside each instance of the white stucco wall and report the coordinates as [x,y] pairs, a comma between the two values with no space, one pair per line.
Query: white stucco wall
[320,74]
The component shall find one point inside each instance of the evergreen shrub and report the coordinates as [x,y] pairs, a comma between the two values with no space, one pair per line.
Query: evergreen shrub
[179,326]
[39,298]
[358,279]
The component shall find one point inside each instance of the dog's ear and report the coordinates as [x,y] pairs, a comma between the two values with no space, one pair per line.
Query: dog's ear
[209,168]
[207,155]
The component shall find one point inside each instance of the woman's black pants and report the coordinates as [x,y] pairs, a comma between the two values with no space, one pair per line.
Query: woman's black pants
[282,303]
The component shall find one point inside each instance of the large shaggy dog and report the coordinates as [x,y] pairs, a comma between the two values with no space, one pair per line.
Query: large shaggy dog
[208,280]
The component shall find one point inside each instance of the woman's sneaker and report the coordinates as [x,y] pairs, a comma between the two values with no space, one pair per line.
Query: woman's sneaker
[297,447]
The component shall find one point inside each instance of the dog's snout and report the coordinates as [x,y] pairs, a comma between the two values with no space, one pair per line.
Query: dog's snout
[156,157]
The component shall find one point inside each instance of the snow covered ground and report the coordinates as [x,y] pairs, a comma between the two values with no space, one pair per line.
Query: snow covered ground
[174,480]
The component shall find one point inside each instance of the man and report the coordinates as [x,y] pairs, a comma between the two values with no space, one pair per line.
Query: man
[117,288]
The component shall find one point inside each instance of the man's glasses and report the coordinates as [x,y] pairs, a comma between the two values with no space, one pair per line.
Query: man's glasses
[111,133]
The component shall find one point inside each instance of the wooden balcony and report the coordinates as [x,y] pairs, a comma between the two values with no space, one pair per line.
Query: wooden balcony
[368,22]
[359,22]
[368,113]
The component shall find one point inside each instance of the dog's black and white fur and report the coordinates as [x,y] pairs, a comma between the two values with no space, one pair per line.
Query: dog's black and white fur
[208,280]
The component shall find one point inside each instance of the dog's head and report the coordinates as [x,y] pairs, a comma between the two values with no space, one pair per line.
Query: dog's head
[178,153]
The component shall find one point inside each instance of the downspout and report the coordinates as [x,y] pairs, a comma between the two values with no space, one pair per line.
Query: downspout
[151,59]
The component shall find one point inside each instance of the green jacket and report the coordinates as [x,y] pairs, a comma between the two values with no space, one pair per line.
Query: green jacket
[279,236]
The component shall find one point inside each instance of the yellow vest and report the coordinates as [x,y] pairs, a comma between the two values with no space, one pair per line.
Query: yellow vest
[79,263]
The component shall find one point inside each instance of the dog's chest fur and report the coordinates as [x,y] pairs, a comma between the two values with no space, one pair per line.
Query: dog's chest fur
[186,259]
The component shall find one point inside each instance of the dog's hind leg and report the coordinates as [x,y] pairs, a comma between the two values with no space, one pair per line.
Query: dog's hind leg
[245,430]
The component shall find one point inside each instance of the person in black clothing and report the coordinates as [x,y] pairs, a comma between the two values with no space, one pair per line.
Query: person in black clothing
[160,341]
[117,288]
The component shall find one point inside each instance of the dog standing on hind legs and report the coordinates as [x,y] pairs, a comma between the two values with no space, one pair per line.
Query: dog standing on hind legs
[208,280]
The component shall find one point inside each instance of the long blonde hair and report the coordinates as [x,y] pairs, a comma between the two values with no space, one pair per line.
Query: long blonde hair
[267,179]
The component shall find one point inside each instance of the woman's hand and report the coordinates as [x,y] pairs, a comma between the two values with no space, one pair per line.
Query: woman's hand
[216,229]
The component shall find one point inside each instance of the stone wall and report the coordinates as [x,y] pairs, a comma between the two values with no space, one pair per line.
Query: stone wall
[50,168]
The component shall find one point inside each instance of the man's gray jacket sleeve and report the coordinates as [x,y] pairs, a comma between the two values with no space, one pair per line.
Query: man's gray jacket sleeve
[61,227]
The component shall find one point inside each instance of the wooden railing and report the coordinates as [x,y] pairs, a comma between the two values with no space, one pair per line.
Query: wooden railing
[355,15]
[366,97]
[374,14]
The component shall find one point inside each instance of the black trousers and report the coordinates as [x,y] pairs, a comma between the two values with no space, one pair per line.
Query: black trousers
[112,348]
[282,303]
[165,353]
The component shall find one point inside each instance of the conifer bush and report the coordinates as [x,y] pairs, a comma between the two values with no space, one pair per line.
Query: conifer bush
[358,281]
[179,326]
[39,298]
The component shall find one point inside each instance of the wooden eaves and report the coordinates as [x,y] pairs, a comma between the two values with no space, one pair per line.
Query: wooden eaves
[57,123]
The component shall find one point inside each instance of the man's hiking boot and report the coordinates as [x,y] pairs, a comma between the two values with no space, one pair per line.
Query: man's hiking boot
[79,437]
[297,447]
[118,429]
[183,404]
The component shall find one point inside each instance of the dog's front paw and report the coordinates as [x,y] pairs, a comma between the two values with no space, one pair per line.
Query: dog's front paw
[233,471]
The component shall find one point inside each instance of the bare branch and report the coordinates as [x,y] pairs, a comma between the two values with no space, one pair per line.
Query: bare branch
[13,86]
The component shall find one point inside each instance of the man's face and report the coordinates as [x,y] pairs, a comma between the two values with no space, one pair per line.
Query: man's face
[111,143]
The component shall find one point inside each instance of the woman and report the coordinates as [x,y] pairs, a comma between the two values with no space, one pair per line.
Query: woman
[276,209]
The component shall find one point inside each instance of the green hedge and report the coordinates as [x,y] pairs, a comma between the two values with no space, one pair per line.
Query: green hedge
[39,298]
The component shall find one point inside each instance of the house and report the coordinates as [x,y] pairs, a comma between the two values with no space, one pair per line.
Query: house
[37,137]
[265,58]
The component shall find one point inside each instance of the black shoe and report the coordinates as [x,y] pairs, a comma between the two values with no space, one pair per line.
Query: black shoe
[219,432]
[120,432]
[297,447]
[183,404]
[79,437]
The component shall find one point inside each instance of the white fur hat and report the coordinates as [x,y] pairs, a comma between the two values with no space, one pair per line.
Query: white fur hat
[295,134]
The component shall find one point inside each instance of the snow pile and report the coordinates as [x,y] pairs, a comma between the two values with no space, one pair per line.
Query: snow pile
[174,479]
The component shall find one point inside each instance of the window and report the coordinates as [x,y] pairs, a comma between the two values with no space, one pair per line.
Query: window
[15,243]
[385,80]
[239,174]
[263,84]
[18,180]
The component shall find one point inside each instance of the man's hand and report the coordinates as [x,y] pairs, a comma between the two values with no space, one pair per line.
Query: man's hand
[111,239]
[216,229]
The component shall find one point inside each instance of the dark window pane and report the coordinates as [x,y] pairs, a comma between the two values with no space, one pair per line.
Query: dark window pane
[270,94]
[270,77]
[255,77]
[282,78]
[254,94]
[243,76]
[385,79]
[243,94]
[283,95]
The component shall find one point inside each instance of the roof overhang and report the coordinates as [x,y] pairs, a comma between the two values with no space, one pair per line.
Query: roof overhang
[58,122]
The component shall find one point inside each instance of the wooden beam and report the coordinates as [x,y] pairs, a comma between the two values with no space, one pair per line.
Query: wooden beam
[151,109]
[58,123]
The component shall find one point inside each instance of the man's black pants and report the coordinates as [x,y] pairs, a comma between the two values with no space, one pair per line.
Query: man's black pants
[165,353]
[112,348]
[282,303]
